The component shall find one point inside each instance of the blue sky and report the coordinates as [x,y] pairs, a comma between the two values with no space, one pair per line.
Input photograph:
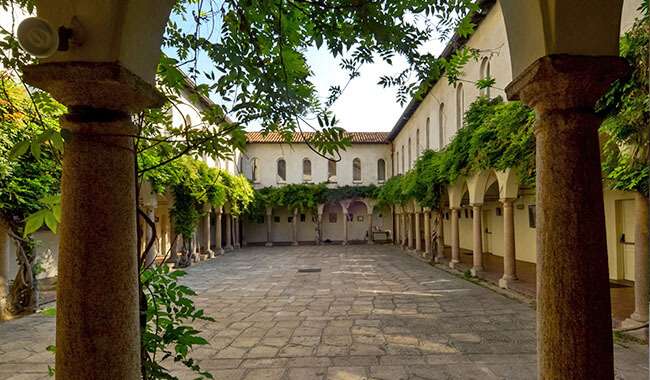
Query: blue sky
[364,106]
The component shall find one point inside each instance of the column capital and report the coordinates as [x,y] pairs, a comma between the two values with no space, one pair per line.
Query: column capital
[507,201]
[562,81]
[99,85]
[475,205]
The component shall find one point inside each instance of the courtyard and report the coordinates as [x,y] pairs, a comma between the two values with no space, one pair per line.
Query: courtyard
[371,312]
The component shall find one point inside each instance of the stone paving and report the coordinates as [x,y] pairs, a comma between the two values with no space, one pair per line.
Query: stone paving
[371,313]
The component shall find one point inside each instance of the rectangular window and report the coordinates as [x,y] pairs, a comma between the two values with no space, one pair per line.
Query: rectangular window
[259,219]
[276,219]
[303,217]
[359,218]
[290,219]
[332,217]
[498,210]
[466,213]
[532,214]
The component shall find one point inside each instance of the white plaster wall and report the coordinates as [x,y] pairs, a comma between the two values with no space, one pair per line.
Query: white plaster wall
[490,39]
[255,232]
[269,154]
[281,232]
[306,229]
[333,231]
[358,226]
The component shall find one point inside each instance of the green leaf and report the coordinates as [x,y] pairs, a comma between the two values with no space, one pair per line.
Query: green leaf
[35,148]
[19,149]
[51,221]
[33,223]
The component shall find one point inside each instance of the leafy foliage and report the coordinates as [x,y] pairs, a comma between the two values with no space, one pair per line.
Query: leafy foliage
[495,135]
[170,310]
[626,107]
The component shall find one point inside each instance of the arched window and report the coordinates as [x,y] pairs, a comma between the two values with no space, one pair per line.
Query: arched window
[427,132]
[188,121]
[381,170]
[403,155]
[282,170]
[441,126]
[356,169]
[485,74]
[331,171]
[255,170]
[306,169]
[417,143]
[460,106]
[410,153]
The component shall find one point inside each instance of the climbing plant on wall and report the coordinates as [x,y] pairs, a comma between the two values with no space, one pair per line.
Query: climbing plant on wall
[495,135]
[626,108]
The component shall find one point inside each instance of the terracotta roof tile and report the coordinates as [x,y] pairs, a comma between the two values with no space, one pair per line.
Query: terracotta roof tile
[356,137]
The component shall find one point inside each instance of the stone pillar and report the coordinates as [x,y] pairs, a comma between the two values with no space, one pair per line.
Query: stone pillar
[509,256]
[269,223]
[409,230]
[396,230]
[427,231]
[242,233]
[217,232]
[440,247]
[228,246]
[418,234]
[206,233]
[574,331]
[194,247]
[236,224]
[97,290]
[370,238]
[455,238]
[153,252]
[641,260]
[345,226]
[4,266]
[477,256]
[294,227]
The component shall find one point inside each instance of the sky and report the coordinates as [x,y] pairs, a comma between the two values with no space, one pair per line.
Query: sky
[365,105]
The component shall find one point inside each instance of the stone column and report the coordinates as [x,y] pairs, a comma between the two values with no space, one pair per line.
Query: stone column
[164,233]
[97,290]
[294,227]
[396,230]
[455,238]
[440,247]
[477,256]
[236,223]
[574,331]
[345,226]
[4,266]
[206,233]
[409,230]
[228,246]
[217,232]
[641,260]
[370,238]
[269,223]
[418,234]
[509,256]
[427,231]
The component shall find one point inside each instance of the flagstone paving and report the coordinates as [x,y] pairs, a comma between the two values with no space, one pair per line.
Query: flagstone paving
[372,312]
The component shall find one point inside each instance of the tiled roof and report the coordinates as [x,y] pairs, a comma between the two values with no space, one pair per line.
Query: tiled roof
[356,137]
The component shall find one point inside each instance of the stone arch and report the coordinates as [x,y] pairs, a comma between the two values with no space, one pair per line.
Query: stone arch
[281,169]
[358,211]
[456,192]
[508,183]
[537,28]
[476,185]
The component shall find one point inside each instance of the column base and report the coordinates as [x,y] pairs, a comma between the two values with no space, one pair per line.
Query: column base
[295,243]
[506,281]
[344,243]
[220,252]
[228,248]
[268,244]
[453,264]
[370,242]
[438,259]
[237,246]
[476,271]
[638,318]
[631,323]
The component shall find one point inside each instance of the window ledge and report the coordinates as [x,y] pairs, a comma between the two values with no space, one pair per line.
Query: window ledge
[357,182]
